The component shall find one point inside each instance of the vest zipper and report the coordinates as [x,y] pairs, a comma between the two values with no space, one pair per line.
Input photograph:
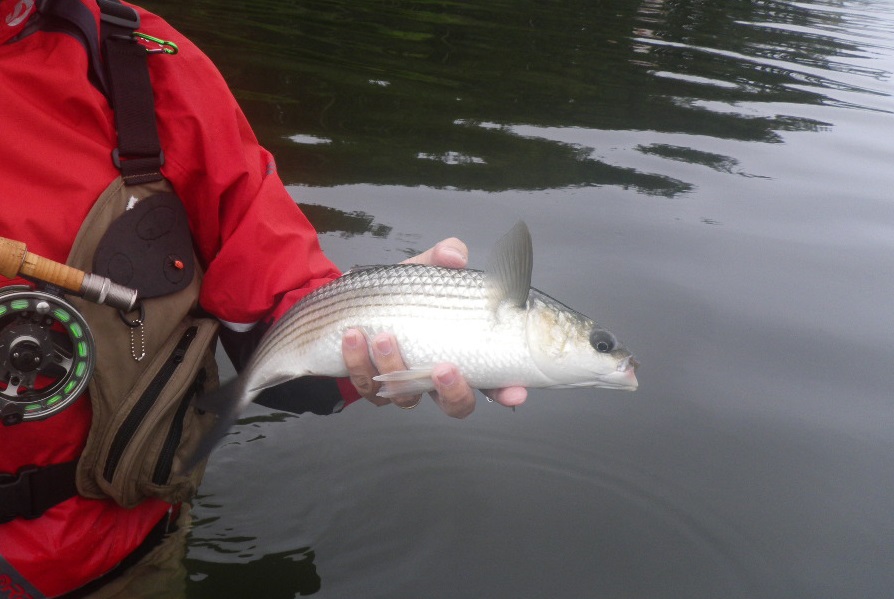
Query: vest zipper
[142,407]
[165,461]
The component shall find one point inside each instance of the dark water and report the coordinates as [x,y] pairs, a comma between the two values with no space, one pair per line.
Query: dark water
[711,180]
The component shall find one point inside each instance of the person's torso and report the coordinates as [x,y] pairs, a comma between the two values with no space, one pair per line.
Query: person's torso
[58,134]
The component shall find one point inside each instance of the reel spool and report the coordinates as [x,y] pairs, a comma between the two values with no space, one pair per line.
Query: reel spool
[47,354]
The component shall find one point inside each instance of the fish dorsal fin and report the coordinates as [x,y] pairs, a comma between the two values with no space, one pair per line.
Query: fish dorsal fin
[508,272]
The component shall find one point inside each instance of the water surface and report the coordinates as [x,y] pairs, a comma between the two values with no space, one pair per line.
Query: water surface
[710,180]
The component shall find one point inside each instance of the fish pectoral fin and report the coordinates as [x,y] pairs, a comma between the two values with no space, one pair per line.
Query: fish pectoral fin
[271,381]
[400,383]
[225,403]
[226,399]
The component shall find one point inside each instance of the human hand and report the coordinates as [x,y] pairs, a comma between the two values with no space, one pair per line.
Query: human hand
[452,394]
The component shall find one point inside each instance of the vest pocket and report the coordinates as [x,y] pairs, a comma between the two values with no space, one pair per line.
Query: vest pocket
[144,404]
[155,426]
[165,463]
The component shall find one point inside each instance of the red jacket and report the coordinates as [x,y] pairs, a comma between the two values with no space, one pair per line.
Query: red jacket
[259,251]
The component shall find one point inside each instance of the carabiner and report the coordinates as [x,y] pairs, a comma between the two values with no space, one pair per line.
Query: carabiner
[167,47]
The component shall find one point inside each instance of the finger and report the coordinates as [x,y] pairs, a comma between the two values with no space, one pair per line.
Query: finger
[451,253]
[453,395]
[387,359]
[508,396]
[361,369]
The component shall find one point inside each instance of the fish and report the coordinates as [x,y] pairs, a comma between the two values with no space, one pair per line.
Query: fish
[496,328]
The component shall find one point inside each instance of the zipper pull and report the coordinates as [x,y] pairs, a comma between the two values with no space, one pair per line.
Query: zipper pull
[183,345]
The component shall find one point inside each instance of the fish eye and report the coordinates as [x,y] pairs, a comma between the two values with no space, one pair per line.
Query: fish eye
[602,341]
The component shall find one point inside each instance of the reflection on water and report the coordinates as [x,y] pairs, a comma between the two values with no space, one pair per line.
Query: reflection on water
[273,576]
[346,224]
[710,178]
[718,162]
[396,93]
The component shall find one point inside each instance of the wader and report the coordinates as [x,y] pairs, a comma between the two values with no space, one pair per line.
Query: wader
[151,362]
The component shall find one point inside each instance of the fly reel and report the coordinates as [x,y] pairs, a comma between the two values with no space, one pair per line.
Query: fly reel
[47,354]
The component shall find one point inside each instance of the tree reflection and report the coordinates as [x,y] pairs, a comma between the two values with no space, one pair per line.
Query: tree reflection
[273,576]
[393,86]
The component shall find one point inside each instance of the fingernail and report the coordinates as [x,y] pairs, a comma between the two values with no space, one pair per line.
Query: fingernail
[454,256]
[446,378]
[383,346]
[352,339]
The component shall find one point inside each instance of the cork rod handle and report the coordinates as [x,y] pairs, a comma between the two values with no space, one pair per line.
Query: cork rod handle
[16,260]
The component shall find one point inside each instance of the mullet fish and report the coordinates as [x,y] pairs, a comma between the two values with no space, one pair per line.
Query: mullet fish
[492,325]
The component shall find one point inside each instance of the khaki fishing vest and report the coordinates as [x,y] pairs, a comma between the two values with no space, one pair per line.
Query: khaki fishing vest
[150,364]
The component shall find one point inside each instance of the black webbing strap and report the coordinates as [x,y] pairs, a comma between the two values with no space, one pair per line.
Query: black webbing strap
[33,490]
[119,68]
[138,155]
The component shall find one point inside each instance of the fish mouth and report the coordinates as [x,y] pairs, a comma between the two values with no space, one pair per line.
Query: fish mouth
[628,363]
[624,377]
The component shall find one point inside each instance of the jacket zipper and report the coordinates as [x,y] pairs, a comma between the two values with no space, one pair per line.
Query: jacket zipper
[143,405]
[165,461]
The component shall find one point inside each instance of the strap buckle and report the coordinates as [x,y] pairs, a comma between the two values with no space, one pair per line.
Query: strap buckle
[158,159]
[35,489]
[114,13]
[15,492]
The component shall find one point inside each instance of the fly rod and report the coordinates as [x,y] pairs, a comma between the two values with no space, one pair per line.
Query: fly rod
[17,261]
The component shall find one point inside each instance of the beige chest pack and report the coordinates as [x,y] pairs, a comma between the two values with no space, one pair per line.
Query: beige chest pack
[149,366]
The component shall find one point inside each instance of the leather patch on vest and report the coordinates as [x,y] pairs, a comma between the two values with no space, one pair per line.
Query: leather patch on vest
[148,248]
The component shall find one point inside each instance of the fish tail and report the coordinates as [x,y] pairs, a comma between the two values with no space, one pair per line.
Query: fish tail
[226,404]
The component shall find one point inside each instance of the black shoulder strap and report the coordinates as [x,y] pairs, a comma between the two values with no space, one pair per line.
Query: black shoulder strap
[119,68]
[138,155]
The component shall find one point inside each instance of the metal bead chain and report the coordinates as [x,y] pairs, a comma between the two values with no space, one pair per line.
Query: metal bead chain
[133,342]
